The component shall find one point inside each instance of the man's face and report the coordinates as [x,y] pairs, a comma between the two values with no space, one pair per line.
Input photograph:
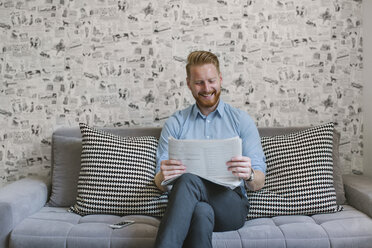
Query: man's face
[205,85]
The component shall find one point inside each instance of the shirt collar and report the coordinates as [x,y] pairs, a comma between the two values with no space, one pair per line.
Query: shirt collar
[220,110]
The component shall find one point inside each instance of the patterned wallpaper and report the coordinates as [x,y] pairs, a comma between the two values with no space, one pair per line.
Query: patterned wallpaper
[121,63]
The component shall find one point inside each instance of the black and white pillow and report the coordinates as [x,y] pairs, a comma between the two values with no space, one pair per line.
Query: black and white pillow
[299,179]
[117,175]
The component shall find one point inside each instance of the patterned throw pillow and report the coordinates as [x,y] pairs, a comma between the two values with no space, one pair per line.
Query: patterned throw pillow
[117,175]
[299,179]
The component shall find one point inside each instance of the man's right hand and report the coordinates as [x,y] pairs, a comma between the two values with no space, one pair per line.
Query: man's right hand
[168,169]
[171,168]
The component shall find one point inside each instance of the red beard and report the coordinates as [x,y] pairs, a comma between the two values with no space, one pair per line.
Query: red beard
[207,102]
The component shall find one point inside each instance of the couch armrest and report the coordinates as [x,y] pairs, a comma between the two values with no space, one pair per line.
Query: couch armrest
[19,200]
[358,191]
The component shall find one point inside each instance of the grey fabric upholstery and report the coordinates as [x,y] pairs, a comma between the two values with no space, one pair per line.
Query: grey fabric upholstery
[19,200]
[32,225]
[58,228]
[337,171]
[129,131]
[65,170]
[358,190]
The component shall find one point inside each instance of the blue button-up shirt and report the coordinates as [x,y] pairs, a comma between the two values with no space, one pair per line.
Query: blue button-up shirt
[225,122]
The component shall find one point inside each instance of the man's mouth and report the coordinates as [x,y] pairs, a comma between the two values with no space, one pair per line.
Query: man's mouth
[207,94]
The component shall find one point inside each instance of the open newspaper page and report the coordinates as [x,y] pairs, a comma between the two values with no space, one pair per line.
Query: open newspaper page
[206,158]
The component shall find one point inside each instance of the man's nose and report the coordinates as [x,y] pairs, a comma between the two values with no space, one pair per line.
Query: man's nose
[207,87]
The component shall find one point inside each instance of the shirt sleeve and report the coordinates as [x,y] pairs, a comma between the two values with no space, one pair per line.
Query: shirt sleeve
[251,142]
[171,128]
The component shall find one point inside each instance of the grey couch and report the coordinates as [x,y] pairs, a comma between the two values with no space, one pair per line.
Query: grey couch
[30,215]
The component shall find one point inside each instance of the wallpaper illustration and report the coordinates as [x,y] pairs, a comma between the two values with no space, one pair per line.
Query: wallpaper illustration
[121,63]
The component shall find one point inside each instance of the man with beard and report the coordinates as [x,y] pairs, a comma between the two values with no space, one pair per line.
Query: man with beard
[197,207]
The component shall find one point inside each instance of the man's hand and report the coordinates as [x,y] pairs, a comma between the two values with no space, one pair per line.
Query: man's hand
[168,169]
[171,168]
[240,167]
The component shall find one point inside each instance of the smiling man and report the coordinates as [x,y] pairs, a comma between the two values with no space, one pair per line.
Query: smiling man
[204,82]
[197,207]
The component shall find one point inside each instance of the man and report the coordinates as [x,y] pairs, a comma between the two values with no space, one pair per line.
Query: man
[197,207]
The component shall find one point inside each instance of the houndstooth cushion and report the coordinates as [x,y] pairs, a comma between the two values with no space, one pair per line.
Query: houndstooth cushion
[299,179]
[117,175]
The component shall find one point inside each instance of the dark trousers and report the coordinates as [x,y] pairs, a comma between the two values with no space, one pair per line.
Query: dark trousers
[196,208]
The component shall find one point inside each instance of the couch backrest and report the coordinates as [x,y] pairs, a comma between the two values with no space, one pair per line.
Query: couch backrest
[66,143]
[74,132]
[155,131]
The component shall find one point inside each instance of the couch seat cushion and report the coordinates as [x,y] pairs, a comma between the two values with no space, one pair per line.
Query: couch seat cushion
[320,230]
[55,227]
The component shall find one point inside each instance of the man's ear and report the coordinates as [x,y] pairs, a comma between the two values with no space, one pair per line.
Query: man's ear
[188,82]
[220,75]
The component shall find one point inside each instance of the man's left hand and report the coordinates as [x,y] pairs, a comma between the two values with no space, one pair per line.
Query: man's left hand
[240,167]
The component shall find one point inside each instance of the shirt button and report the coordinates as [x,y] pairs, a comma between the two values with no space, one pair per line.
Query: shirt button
[208,121]
[207,137]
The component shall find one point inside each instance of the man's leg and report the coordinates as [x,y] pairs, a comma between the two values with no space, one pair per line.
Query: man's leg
[230,207]
[186,194]
[187,191]
[201,228]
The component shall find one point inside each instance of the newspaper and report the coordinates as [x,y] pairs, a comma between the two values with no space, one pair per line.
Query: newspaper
[206,158]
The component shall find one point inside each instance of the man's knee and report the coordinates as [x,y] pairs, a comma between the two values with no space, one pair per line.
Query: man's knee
[189,187]
[189,178]
[204,211]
